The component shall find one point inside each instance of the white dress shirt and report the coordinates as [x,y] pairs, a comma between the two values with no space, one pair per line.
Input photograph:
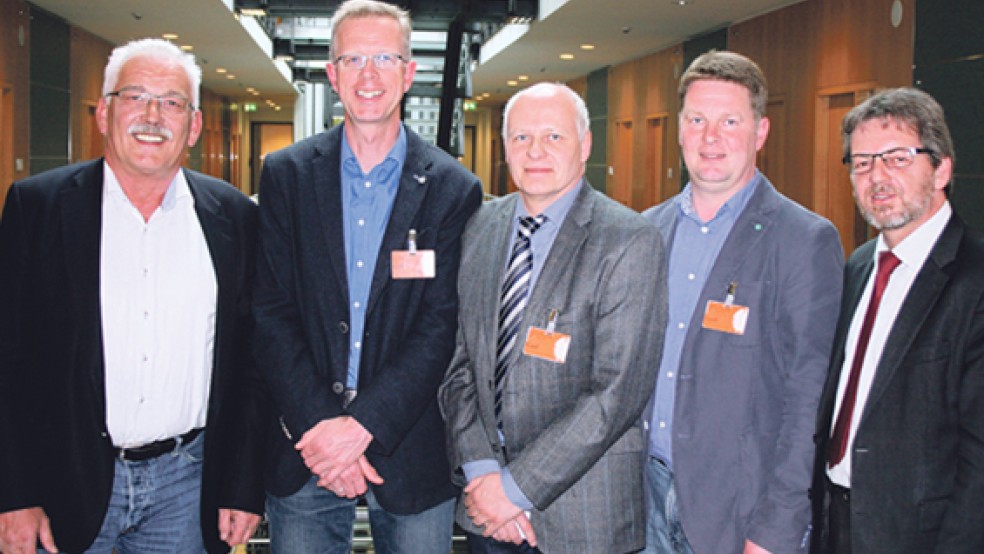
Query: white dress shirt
[912,252]
[158,301]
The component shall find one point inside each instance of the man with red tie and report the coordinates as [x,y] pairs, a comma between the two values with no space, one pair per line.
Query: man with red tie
[900,431]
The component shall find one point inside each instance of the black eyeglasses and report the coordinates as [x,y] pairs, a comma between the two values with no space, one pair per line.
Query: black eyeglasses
[133,98]
[383,60]
[893,158]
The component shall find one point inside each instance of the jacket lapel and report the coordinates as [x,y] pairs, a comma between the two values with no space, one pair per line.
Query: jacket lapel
[918,303]
[81,225]
[570,237]
[498,232]
[326,172]
[414,182]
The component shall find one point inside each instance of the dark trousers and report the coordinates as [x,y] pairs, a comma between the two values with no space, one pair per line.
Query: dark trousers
[839,519]
[478,544]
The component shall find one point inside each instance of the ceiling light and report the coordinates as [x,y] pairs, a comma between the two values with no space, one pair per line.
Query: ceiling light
[512,83]
[252,12]
[518,20]
[220,70]
[187,47]
[567,56]
[681,2]
[169,36]
[276,108]
[523,77]
[587,47]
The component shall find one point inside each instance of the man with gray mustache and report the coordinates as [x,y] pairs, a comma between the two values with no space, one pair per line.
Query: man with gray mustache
[128,395]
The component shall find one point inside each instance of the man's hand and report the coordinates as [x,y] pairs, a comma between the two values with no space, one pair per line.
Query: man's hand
[752,548]
[517,531]
[236,527]
[351,482]
[487,503]
[20,531]
[333,445]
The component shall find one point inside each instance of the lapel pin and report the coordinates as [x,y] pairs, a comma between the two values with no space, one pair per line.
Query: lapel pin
[420,179]
[758,226]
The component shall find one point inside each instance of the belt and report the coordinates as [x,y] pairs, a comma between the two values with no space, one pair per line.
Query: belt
[156,448]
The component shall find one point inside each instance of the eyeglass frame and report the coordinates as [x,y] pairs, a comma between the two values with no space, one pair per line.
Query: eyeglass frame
[912,150]
[364,60]
[142,94]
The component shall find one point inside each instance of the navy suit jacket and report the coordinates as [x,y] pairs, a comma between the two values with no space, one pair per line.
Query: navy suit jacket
[302,316]
[56,449]
[746,404]
[917,483]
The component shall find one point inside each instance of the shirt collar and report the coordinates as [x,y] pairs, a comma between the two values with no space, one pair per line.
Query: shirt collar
[733,206]
[913,250]
[556,211]
[394,159]
[177,190]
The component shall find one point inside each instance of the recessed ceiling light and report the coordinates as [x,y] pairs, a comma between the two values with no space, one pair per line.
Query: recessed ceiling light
[230,76]
[276,108]
[587,47]
[169,36]
[512,83]
[187,47]
[221,70]
[486,95]
[567,56]
[682,2]
[523,77]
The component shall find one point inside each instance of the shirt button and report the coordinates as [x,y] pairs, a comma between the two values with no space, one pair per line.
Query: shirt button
[669,374]
[704,229]
[359,263]
[681,325]
[362,223]
[368,184]
[356,305]
[662,425]
[691,276]
[357,345]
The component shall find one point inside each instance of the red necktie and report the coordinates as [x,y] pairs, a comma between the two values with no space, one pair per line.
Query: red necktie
[887,262]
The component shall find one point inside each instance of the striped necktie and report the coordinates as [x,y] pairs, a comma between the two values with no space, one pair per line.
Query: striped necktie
[515,292]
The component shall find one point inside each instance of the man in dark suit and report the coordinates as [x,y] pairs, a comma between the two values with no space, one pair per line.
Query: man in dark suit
[754,283]
[124,327]
[563,302]
[900,429]
[356,307]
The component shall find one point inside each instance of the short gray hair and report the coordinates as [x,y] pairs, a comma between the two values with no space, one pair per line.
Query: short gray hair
[154,48]
[370,8]
[582,121]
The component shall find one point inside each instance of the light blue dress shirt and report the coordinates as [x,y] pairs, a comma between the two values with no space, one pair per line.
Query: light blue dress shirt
[367,201]
[540,243]
[695,248]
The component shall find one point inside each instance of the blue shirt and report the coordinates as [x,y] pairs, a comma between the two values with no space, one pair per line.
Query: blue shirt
[367,201]
[695,248]
[540,243]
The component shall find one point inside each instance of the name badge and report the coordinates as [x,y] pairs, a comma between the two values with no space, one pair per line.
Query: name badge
[547,344]
[412,263]
[726,317]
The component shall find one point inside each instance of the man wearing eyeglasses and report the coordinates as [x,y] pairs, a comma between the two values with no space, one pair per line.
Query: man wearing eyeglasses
[356,307]
[127,390]
[900,432]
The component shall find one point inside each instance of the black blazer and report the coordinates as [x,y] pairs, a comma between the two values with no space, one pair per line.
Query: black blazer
[302,316]
[56,449]
[917,483]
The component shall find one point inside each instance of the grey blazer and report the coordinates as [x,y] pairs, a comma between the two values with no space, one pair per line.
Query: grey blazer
[746,405]
[573,434]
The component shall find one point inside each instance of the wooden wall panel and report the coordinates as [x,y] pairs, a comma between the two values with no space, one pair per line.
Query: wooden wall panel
[88,57]
[15,40]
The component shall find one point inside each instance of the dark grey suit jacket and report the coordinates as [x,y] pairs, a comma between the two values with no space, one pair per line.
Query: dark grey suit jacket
[302,316]
[917,483]
[745,405]
[574,438]
[56,450]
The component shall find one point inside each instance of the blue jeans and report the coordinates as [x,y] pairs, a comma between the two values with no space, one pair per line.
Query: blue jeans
[664,532]
[154,507]
[315,520]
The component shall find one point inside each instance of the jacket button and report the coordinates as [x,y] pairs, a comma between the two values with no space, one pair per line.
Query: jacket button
[342,327]
[337,387]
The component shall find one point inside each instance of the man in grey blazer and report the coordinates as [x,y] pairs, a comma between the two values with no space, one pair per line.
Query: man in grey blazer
[900,430]
[755,282]
[549,443]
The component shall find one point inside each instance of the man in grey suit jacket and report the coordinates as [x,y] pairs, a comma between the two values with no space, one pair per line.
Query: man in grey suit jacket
[754,284]
[559,467]
[906,474]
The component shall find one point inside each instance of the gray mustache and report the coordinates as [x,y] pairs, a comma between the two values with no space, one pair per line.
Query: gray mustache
[149,129]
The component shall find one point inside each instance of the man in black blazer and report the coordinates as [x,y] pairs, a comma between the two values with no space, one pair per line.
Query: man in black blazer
[124,321]
[356,307]
[900,432]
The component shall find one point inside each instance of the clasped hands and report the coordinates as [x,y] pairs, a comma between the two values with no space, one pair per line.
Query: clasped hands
[334,451]
[490,509]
